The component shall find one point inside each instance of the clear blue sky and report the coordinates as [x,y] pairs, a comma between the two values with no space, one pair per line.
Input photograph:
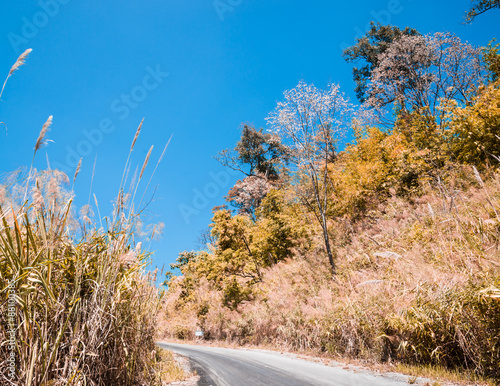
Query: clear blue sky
[226,64]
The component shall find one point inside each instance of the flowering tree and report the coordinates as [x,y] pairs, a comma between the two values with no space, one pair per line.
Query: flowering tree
[247,194]
[418,73]
[259,156]
[367,50]
[310,121]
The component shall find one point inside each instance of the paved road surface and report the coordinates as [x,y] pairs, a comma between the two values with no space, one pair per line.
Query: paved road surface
[230,367]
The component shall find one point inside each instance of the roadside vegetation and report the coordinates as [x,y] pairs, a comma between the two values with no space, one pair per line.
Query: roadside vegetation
[364,229]
[84,309]
[385,249]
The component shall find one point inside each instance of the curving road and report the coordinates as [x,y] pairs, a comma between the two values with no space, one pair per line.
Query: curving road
[230,367]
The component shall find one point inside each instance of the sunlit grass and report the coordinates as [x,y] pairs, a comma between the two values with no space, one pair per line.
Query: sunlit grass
[417,284]
[85,310]
[169,369]
[441,375]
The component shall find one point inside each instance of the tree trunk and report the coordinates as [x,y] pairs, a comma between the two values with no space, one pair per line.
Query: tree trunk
[326,237]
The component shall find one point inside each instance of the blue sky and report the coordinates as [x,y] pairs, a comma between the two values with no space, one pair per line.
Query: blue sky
[195,69]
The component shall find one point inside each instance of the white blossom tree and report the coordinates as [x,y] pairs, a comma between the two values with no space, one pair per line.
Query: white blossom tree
[247,194]
[418,73]
[311,121]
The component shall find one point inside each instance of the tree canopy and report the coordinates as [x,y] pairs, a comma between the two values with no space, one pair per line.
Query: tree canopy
[479,7]
[368,49]
[256,153]
[420,73]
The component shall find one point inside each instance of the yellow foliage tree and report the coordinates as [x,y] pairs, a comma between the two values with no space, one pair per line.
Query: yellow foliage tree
[475,129]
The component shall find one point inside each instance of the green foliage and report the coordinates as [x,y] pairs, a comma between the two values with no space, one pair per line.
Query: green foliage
[262,153]
[368,49]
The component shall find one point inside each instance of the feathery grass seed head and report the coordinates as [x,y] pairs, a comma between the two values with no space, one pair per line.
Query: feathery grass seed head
[146,162]
[136,135]
[20,61]
[77,170]
[41,141]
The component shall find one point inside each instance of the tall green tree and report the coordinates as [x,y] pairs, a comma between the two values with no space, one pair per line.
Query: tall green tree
[259,156]
[367,51]
[256,154]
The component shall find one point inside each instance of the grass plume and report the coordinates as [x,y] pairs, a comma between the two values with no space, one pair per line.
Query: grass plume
[19,62]
[146,161]
[85,308]
[78,167]
[41,140]
[144,165]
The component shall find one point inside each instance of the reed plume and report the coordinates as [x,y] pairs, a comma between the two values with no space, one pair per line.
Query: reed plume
[41,141]
[77,170]
[136,135]
[19,62]
[146,160]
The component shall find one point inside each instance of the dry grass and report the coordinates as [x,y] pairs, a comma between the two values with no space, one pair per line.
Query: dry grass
[442,375]
[170,370]
[418,283]
[82,310]
[77,306]
[85,311]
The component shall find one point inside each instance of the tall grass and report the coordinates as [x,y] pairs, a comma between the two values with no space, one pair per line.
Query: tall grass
[418,283]
[84,310]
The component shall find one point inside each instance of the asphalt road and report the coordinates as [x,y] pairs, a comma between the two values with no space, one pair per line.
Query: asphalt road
[236,367]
